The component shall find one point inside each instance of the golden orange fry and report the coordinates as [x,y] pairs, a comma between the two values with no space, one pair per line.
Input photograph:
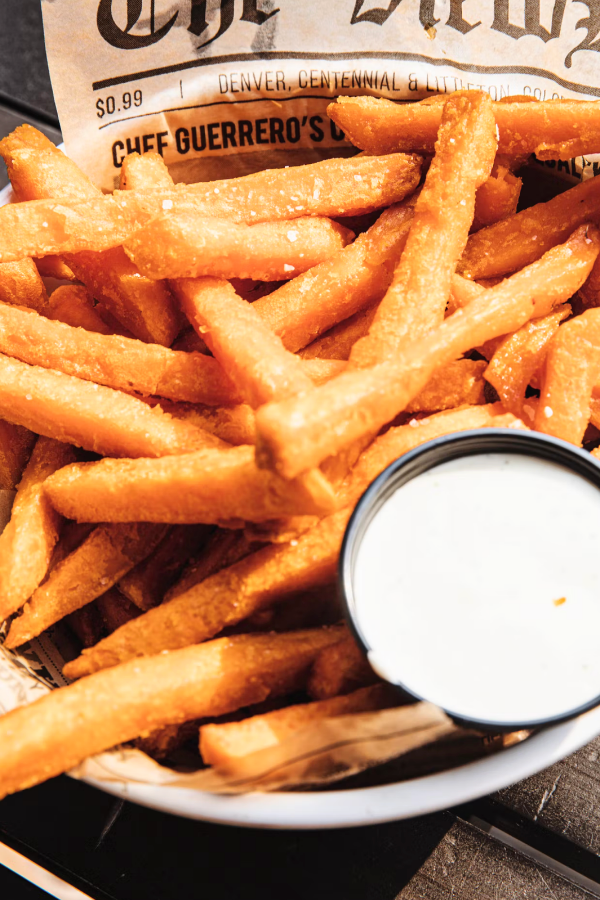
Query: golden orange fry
[27,542]
[340,669]
[98,563]
[21,285]
[117,706]
[73,305]
[144,172]
[16,444]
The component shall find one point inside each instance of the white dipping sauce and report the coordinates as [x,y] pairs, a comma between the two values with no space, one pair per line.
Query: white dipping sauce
[458,587]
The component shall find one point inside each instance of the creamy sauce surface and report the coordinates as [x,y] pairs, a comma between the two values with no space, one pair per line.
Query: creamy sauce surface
[477,587]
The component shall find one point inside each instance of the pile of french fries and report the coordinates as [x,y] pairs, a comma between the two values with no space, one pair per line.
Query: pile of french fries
[190,420]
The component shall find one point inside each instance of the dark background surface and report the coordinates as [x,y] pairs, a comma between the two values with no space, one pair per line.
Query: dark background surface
[111,849]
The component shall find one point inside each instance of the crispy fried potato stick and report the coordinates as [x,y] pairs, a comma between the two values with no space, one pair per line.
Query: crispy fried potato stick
[520,356]
[90,415]
[520,240]
[459,383]
[340,670]
[144,172]
[299,433]
[301,310]
[209,486]
[339,340]
[185,245]
[97,564]
[118,362]
[554,129]
[27,542]
[21,285]
[253,357]
[226,598]
[233,424]
[332,188]
[86,623]
[416,300]
[39,171]
[16,444]
[572,371]
[54,267]
[497,198]
[73,305]
[115,609]
[224,548]
[220,744]
[133,700]
[147,583]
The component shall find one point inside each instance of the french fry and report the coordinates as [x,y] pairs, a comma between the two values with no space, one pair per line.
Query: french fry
[459,383]
[210,486]
[115,609]
[27,542]
[143,172]
[224,548]
[462,293]
[297,434]
[309,305]
[497,198]
[133,700]
[520,356]
[21,285]
[39,171]
[220,744]
[340,669]
[163,742]
[97,564]
[73,305]
[417,298]
[572,371]
[306,610]
[54,267]
[118,362]
[339,340]
[589,293]
[233,424]
[91,416]
[522,239]
[16,444]
[87,625]
[253,357]
[331,188]
[224,599]
[555,129]
[147,583]
[185,245]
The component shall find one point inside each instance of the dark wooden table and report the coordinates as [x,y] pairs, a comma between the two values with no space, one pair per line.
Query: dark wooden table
[538,840]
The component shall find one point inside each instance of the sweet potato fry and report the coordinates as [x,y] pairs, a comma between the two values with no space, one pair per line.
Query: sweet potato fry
[97,564]
[144,172]
[459,383]
[572,371]
[54,267]
[90,415]
[299,433]
[417,298]
[118,362]
[340,670]
[39,171]
[209,486]
[86,624]
[21,285]
[520,356]
[226,598]
[147,583]
[16,444]
[233,424]
[185,245]
[253,357]
[310,304]
[497,198]
[220,744]
[520,240]
[163,742]
[339,340]
[224,548]
[133,700]
[332,188]
[73,305]
[554,129]
[115,609]
[27,542]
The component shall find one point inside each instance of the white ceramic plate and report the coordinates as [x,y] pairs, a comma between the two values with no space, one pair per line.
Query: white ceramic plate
[366,806]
